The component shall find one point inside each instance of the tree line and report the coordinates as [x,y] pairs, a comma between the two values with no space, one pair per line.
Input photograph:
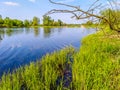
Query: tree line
[8,22]
[47,21]
[113,16]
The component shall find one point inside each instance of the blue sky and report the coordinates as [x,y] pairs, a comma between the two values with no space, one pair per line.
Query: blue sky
[27,9]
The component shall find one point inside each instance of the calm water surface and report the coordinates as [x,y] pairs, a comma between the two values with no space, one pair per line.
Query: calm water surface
[22,45]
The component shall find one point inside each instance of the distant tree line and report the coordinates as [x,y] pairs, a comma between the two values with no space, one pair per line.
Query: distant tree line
[8,22]
[47,21]
[88,23]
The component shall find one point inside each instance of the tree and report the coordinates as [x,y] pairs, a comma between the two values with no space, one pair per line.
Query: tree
[46,20]
[1,21]
[89,23]
[0,16]
[26,23]
[35,21]
[60,23]
[80,13]
[56,23]
[20,23]
[17,23]
[8,22]
[109,14]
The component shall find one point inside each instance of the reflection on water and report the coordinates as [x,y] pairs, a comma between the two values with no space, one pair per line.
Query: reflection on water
[36,31]
[10,31]
[47,32]
[20,46]
[2,33]
[27,30]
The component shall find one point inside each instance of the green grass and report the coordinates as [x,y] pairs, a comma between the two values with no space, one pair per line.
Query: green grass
[41,75]
[96,66]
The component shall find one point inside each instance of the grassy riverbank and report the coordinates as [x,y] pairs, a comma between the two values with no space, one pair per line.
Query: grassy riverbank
[95,66]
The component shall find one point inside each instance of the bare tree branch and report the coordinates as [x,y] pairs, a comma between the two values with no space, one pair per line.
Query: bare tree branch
[79,13]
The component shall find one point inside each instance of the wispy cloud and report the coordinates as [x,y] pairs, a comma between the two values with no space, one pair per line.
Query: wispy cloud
[113,4]
[117,2]
[66,1]
[32,1]
[11,3]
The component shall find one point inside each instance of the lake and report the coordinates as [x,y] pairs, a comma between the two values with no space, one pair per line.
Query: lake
[20,46]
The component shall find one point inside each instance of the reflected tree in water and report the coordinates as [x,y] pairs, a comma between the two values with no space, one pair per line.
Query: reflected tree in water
[2,33]
[11,31]
[47,32]
[27,30]
[36,31]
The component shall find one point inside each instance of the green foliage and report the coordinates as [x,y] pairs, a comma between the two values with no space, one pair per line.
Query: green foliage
[17,23]
[0,16]
[47,21]
[41,75]
[60,23]
[112,15]
[89,22]
[26,23]
[7,22]
[96,66]
[1,22]
[35,21]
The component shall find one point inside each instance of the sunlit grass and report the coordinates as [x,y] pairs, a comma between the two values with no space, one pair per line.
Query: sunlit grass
[96,66]
[41,75]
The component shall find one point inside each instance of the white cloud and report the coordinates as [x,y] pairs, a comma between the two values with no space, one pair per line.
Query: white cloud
[66,1]
[117,2]
[11,3]
[113,4]
[32,1]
